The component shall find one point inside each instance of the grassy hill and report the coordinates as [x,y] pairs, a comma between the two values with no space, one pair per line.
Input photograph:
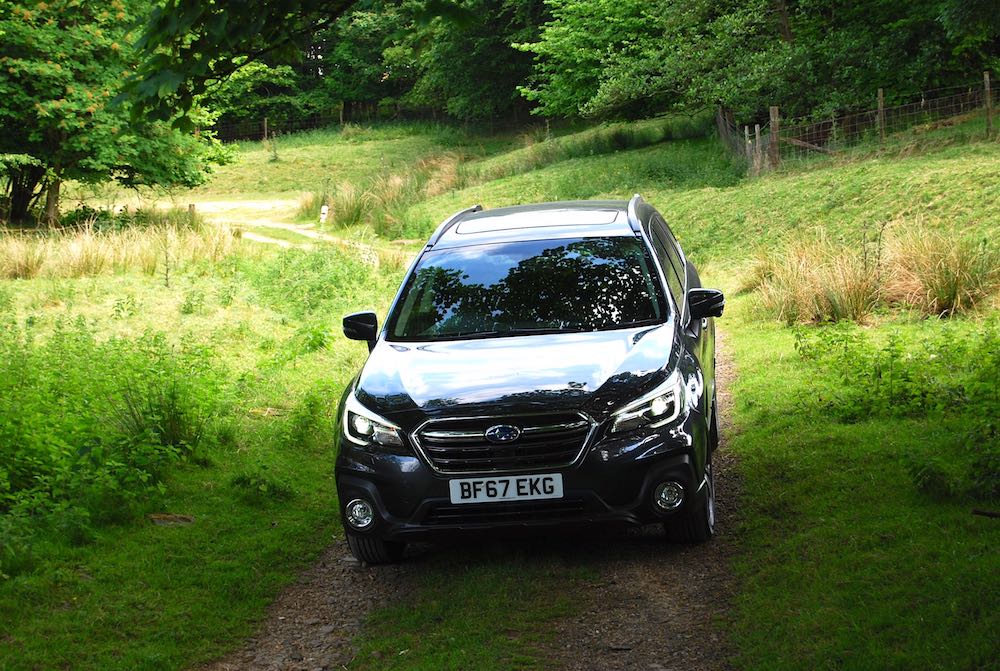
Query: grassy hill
[860,448]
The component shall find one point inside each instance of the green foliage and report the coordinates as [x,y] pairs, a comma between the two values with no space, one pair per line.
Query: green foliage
[88,427]
[256,91]
[813,59]
[61,67]
[303,282]
[471,73]
[942,373]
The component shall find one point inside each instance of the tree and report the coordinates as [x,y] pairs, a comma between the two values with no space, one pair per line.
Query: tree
[62,63]
[814,58]
[473,73]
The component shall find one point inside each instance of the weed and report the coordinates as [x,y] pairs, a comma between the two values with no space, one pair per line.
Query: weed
[87,427]
[194,301]
[226,294]
[124,307]
[258,484]
[301,281]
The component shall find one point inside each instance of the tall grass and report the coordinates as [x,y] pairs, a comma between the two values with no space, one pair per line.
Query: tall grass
[941,274]
[815,281]
[380,202]
[935,273]
[86,251]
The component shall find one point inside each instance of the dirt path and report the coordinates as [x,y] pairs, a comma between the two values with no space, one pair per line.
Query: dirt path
[654,606]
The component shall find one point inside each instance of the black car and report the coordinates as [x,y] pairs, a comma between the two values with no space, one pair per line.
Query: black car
[541,366]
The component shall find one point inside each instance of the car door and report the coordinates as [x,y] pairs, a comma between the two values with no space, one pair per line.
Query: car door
[698,334]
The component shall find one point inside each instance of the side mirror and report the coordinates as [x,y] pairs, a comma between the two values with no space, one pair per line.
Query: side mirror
[362,326]
[704,303]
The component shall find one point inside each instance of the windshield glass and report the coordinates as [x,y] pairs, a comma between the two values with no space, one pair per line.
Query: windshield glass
[524,287]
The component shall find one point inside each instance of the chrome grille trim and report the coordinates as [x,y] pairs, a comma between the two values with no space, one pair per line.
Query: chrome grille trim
[456,451]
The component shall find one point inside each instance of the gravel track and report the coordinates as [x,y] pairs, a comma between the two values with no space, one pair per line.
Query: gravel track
[653,606]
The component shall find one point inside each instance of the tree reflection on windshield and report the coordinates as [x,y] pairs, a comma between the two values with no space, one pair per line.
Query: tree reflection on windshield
[529,287]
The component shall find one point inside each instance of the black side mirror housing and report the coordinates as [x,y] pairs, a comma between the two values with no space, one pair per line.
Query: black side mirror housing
[362,326]
[704,303]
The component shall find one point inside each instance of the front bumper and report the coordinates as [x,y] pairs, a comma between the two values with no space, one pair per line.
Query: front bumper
[612,484]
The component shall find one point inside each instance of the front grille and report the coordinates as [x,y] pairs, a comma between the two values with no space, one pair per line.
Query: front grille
[545,441]
[500,513]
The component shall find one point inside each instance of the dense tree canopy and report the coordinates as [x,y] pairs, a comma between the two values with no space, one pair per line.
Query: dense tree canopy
[601,58]
[813,57]
[61,65]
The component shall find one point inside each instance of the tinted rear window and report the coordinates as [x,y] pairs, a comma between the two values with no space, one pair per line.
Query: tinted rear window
[536,286]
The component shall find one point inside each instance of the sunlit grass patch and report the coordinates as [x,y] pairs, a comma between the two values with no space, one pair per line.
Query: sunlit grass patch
[86,251]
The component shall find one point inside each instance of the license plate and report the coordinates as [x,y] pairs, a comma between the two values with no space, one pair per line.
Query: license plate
[507,488]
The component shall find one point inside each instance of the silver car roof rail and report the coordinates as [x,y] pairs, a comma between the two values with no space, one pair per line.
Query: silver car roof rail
[449,222]
[633,213]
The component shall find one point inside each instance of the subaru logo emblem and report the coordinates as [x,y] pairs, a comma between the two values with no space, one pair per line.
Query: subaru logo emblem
[502,433]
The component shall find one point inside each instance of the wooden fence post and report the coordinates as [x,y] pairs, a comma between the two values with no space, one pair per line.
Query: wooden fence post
[989,104]
[746,145]
[758,157]
[881,116]
[774,145]
[265,128]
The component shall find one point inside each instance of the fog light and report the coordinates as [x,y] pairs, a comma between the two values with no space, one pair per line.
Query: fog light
[360,514]
[669,495]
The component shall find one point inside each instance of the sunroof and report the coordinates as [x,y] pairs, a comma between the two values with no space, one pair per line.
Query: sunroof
[539,219]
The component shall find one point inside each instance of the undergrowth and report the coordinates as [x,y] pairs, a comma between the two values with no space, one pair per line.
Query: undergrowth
[814,279]
[89,426]
[950,373]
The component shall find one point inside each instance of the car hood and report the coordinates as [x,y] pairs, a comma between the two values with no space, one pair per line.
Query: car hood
[594,371]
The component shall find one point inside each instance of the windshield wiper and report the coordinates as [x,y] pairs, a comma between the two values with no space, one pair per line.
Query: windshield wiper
[544,329]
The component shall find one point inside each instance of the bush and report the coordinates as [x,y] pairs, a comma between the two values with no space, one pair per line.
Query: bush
[813,280]
[948,374]
[88,427]
[940,273]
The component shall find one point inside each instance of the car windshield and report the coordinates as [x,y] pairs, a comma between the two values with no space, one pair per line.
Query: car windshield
[529,287]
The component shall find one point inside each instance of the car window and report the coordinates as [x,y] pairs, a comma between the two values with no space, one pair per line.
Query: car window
[525,287]
[670,264]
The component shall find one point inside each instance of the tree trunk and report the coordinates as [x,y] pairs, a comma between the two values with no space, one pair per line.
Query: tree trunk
[784,24]
[23,183]
[52,202]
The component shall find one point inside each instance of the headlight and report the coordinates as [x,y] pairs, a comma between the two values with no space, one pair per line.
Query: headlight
[364,427]
[660,406]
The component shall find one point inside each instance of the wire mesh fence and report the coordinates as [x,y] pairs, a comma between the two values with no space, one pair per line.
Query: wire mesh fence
[264,128]
[767,147]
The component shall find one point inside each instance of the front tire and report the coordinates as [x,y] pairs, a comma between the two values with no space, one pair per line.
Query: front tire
[372,550]
[697,524]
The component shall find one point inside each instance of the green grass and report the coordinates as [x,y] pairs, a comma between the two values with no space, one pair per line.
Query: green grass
[308,161]
[844,563]
[144,596]
[673,167]
[474,611]
[282,234]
